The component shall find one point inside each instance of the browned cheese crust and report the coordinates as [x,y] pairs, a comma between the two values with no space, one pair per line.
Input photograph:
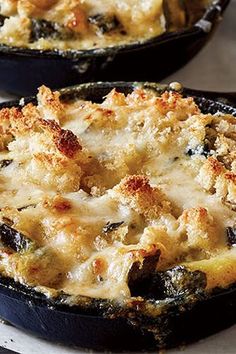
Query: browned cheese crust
[100,190]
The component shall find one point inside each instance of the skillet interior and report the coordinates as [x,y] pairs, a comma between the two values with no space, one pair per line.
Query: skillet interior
[153,59]
[101,325]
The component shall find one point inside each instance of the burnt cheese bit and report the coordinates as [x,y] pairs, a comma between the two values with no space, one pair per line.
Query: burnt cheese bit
[104,23]
[109,227]
[67,143]
[65,140]
[5,163]
[231,235]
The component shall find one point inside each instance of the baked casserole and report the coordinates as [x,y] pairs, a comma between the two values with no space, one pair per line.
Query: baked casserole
[95,198]
[87,24]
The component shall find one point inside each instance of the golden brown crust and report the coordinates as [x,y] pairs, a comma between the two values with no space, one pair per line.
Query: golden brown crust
[52,156]
[16,121]
[66,142]
[137,192]
[209,172]
[101,189]
[199,228]
[49,104]
[173,101]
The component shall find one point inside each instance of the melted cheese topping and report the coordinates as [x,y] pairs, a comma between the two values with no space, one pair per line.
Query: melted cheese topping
[99,190]
[83,24]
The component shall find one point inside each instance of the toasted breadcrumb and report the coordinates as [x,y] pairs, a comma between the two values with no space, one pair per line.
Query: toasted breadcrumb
[136,192]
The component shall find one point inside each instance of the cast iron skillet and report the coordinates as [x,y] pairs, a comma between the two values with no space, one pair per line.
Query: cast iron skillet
[103,325]
[23,70]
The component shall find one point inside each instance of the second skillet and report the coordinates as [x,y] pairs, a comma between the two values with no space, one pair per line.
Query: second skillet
[23,70]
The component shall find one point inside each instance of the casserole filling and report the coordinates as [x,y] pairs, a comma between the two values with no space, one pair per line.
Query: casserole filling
[86,24]
[96,196]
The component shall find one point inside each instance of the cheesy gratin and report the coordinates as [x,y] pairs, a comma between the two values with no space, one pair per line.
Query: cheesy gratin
[90,193]
[86,24]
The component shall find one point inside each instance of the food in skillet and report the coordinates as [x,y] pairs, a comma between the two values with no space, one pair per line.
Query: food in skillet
[85,24]
[95,198]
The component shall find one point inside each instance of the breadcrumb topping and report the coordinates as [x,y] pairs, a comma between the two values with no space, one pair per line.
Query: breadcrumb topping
[105,193]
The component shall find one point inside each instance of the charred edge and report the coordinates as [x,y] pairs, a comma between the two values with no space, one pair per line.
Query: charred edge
[67,143]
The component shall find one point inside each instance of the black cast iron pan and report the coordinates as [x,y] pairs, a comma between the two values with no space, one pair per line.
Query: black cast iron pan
[23,70]
[104,325]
